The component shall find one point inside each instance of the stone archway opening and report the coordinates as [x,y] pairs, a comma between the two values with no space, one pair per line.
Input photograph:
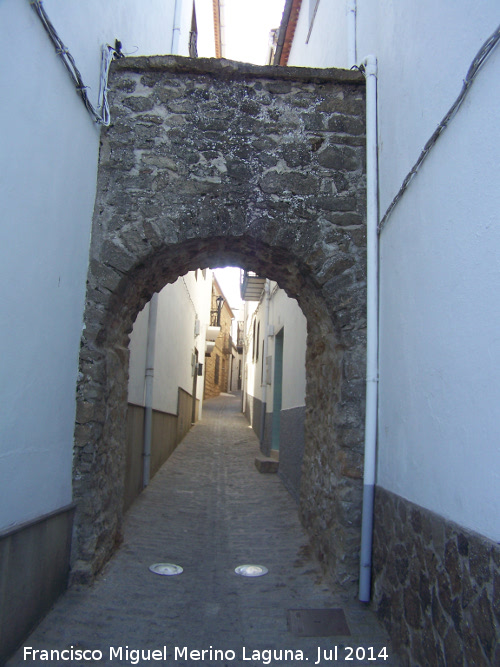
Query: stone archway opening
[279,191]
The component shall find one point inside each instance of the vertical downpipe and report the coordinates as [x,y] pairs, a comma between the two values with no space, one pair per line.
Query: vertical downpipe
[370,70]
[264,364]
[148,389]
[176,30]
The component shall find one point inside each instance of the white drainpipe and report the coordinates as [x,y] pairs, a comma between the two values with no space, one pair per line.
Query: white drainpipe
[351,33]
[264,363]
[148,389]
[176,31]
[370,70]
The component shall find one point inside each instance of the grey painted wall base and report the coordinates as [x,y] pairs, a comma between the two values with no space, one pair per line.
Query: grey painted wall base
[34,567]
[292,448]
[436,586]
[291,440]
[167,432]
[253,412]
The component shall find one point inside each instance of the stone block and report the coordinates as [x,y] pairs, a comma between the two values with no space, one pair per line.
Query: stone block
[449,613]
[266,464]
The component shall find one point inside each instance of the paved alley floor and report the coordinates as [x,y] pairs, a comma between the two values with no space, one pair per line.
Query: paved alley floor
[209,510]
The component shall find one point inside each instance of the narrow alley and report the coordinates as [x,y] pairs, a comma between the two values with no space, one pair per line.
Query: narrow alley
[208,510]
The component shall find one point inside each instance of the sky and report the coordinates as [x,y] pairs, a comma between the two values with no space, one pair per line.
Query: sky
[229,281]
[246,27]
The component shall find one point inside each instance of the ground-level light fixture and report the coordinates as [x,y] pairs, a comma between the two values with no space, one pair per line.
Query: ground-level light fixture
[251,570]
[166,569]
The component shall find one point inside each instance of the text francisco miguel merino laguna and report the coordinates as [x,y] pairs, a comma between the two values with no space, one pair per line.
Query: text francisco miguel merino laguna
[139,656]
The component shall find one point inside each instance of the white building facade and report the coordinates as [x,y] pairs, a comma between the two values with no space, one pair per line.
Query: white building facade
[438,436]
[49,154]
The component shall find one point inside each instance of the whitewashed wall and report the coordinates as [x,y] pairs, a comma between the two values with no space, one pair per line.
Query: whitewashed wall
[327,45]
[251,387]
[179,305]
[440,263]
[137,360]
[188,299]
[283,313]
[286,314]
[48,155]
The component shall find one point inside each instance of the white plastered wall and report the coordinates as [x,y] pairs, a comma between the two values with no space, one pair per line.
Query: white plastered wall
[284,313]
[179,305]
[49,152]
[439,433]
[440,322]
[137,360]
[327,45]
[253,312]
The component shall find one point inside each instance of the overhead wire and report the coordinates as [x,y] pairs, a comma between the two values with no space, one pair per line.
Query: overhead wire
[190,297]
[100,114]
[474,68]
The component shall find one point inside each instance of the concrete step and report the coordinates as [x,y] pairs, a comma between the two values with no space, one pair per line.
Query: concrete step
[267,464]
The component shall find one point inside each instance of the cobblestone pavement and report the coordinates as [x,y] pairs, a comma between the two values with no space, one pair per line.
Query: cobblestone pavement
[208,510]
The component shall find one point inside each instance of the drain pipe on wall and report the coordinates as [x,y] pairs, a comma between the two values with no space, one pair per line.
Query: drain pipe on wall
[148,389]
[351,33]
[369,67]
[264,363]
[176,30]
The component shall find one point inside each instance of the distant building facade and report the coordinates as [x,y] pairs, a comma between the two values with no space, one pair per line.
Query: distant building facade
[219,357]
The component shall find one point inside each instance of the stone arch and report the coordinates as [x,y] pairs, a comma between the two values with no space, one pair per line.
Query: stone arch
[279,192]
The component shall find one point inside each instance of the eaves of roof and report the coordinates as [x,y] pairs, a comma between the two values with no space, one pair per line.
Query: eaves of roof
[217,28]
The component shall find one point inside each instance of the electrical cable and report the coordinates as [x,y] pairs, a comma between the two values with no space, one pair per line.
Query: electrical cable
[189,296]
[476,65]
[100,115]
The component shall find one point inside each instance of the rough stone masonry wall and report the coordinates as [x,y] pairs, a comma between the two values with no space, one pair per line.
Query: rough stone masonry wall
[206,163]
[436,586]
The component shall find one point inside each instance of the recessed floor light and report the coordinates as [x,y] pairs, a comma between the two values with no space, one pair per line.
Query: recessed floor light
[167,569]
[251,570]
